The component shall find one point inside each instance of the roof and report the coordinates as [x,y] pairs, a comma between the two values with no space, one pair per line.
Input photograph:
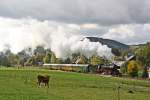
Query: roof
[75,65]
[129,58]
[119,63]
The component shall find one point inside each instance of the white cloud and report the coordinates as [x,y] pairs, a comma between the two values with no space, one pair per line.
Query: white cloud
[129,33]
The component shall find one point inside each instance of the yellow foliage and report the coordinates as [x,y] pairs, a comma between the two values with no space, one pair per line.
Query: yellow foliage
[95,60]
[132,66]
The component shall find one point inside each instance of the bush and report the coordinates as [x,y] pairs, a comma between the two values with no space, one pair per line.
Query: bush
[133,68]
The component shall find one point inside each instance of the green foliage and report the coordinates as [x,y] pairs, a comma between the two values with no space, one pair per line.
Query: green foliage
[124,68]
[47,58]
[145,73]
[7,58]
[59,61]
[75,56]
[67,61]
[39,58]
[31,61]
[4,61]
[53,58]
[39,51]
[116,51]
[13,59]
[143,55]
[23,57]
[94,60]
[133,68]
[82,59]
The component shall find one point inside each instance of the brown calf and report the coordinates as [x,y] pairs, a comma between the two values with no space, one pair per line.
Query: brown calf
[43,79]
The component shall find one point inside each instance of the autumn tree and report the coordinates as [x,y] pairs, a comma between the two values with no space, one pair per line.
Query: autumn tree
[82,59]
[95,59]
[133,68]
[75,57]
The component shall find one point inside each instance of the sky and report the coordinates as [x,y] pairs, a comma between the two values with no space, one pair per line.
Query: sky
[127,21]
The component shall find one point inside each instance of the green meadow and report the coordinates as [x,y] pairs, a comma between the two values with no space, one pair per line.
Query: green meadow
[21,84]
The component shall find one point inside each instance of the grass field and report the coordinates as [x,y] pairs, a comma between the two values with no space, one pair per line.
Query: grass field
[21,85]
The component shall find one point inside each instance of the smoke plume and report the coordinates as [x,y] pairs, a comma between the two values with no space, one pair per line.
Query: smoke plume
[63,39]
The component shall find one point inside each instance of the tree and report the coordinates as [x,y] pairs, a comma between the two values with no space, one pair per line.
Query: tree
[39,51]
[39,54]
[124,67]
[7,58]
[47,58]
[75,57]
[133,68]
[94,60]
[31,61]
[84,59]
[59,61]
[4,60]
[145,73]
[13,59]
[67,61]
[53,58]
[143,55]
[116,52]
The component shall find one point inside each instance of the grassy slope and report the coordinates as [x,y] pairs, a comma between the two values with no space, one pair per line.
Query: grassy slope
[21,85]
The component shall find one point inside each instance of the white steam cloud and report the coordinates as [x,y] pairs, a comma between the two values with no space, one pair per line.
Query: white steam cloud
[63,39]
